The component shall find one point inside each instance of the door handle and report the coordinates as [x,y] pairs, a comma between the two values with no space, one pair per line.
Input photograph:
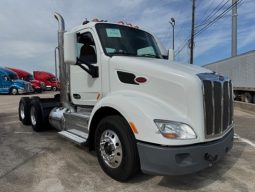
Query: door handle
[77,96]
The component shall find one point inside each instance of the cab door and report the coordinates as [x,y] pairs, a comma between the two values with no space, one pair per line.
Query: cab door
[5,84]
[1,84]
[85,90]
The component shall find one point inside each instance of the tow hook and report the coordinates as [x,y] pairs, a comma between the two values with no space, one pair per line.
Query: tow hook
[210,158]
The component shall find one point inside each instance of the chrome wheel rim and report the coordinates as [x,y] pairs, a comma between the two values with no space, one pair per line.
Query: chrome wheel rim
[14,91]
[111,149]
[22,111]
[33,119]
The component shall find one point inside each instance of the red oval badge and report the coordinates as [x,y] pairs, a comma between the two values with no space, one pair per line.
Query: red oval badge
[140,79]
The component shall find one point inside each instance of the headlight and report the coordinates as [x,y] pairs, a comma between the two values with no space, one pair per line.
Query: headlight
[175,130]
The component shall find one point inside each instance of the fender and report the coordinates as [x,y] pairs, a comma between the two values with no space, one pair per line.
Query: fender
[141,109]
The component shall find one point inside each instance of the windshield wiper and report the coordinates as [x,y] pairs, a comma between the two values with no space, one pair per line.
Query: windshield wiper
[148,55]
[122,53]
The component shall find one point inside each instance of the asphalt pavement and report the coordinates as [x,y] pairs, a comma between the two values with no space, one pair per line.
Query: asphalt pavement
[46,162]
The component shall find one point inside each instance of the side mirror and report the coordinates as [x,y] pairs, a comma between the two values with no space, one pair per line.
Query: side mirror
[70,40]
[170,54]
[6,78]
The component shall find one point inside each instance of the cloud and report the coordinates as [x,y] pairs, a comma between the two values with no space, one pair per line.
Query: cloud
[29,31]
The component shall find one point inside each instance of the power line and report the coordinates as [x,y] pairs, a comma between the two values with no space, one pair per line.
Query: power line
[213,21]
[212,13]
[218,17]
[187,40]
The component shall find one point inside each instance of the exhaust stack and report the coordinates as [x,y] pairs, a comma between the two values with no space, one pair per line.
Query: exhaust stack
[63,69]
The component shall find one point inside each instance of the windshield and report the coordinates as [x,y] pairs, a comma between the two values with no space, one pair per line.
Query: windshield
[13,76]
[128,41]
[30,77]
[53,79]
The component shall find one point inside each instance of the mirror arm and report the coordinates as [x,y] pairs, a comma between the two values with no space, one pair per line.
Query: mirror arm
[92,70]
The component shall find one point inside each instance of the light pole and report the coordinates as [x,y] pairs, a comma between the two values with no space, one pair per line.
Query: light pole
[172,22]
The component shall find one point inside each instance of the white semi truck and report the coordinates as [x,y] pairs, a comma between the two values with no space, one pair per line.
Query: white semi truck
[138,110]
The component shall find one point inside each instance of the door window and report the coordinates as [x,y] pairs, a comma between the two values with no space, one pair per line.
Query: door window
[86,48]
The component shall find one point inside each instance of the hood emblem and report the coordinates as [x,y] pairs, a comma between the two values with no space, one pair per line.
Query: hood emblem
[221,78]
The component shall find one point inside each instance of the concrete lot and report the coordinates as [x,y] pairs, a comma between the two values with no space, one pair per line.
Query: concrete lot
[45,161]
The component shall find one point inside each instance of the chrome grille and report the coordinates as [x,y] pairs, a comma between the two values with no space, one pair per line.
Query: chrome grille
[42,85]
[218,103]
[28,87]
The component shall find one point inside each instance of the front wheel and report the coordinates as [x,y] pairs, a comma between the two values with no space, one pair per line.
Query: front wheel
[14,91]
[54,88]
[116,148]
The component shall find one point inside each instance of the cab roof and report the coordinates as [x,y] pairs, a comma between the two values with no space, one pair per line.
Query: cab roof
[4,71]
[92,24]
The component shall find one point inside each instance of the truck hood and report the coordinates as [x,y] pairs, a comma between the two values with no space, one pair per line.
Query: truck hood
[152,65]
[36,82]
[176,87]
[21,82]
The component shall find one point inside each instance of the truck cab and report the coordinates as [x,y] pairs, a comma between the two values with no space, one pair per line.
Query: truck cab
[11,84]
[50,80]
[138,110]
[37,85]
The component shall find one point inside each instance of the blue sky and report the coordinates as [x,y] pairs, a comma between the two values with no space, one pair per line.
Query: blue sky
[29,31]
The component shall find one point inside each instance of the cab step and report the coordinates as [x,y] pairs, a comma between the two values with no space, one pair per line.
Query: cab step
[74,135]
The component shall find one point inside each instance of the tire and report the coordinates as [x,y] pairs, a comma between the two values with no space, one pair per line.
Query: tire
[54,88]
[36,115]
[247,97]
[253,99]
[24,111]
[14,91]
[125,163]
[57,97]
[38,91]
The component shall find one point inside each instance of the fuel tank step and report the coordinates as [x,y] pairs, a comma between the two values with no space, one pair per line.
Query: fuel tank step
[76,136]
[77,121]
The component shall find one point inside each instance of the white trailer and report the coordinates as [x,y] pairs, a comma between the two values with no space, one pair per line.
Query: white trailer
[241,70]
[138,110]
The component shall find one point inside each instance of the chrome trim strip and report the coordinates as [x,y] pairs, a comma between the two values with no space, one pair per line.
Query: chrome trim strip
[222,105]
[213,108]
[229,103]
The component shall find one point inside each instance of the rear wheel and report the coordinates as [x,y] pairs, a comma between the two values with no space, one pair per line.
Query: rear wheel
[247,97]
[24,113]
[116,148]
[253,98]
[36,115]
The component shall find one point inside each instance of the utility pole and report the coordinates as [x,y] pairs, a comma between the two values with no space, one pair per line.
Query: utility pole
[234,29]
[192,32]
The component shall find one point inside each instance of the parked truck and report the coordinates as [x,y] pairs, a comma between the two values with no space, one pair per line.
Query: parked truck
[37,85]
[137,110]
[11,84]
[241,70]
[50,80]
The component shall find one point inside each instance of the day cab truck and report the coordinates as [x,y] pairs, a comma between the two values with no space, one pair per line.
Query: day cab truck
[121,97]
[11,84]
[50,80]
[38,86]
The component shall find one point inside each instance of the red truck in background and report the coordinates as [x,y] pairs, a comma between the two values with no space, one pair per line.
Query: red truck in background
[50,80]
[37,85]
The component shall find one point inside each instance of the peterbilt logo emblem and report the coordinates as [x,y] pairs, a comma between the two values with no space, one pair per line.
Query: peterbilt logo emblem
[221,78]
